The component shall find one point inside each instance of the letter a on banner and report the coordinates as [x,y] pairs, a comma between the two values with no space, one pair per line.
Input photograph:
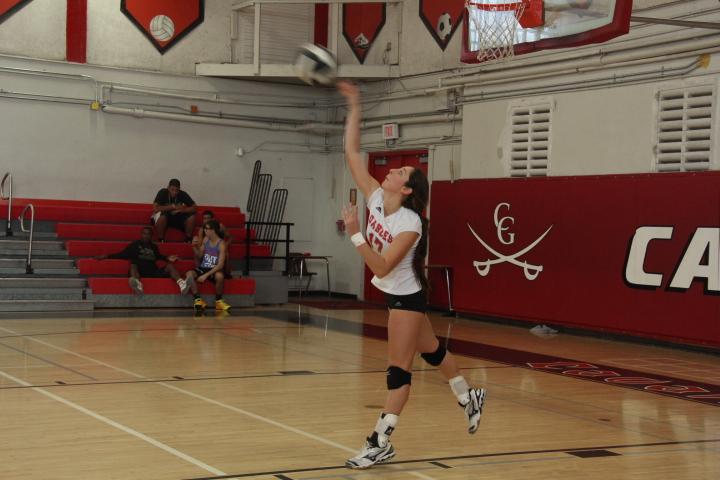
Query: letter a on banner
[8,7]
[164,22]
[362,23]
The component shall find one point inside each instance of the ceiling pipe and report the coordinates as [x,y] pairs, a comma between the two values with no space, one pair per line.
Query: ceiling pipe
[274,126]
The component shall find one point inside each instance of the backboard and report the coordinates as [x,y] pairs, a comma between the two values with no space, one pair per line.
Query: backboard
[565,23]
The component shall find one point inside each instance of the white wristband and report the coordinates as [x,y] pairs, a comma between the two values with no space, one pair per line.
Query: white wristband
[357,239]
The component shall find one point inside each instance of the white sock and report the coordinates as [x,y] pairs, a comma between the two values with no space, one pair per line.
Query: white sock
[460,388]
[384,427]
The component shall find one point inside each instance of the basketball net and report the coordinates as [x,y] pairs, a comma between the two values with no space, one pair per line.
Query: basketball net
[495,24]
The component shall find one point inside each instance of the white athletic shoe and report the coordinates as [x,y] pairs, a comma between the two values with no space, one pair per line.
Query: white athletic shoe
[183,285]
[136,285]
[473,408]
[370,455]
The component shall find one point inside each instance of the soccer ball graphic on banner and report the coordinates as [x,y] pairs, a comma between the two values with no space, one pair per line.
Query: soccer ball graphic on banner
[444,26]
[162,28]
[316,65]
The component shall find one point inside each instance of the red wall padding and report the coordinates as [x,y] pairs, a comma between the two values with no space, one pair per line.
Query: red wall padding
[583,257]
[167,286]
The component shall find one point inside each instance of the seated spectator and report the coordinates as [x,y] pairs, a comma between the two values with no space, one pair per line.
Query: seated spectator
[143,255]
[173,207]
[225,234]
[210,255]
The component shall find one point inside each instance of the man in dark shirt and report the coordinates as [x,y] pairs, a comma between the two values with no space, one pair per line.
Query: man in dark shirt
[143,255]
[173,207]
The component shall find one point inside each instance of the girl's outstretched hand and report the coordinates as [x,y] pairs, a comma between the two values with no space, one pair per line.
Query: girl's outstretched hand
[350,217]
[349,90]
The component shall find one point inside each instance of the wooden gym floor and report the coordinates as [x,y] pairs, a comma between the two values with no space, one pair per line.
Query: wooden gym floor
[290,392]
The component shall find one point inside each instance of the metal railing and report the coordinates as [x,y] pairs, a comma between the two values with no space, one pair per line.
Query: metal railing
[287,241]
[9,198]
[21,218]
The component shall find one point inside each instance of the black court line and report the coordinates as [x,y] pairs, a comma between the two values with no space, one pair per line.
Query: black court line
[19,350]
[654,383]
[283,477]
[664,385]
[441,465]
[176,379]
[464,457]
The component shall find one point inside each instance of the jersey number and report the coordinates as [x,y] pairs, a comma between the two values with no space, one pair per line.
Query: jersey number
[376,241]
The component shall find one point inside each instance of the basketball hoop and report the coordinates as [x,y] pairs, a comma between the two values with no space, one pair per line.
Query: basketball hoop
[496,22]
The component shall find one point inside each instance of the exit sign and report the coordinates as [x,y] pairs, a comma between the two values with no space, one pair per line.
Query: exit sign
[391,131]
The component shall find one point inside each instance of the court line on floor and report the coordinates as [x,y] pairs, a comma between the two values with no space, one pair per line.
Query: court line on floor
[462,457]
[211,401]
[202,379]
[38,357]
[118,426]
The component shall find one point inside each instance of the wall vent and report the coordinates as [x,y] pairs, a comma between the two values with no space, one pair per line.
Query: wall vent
[530,141]
[684,129]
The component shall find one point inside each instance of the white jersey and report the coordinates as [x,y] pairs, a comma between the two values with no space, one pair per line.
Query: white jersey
[380,232]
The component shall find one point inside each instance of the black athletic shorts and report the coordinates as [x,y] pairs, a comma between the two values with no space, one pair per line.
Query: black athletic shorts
[415,302]
[150,271]
[203,271]
[177,220]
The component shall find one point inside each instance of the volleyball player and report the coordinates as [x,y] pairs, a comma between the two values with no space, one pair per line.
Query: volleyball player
[394,249]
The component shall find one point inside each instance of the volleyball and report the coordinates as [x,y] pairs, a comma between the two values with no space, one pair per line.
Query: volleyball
[162,28]
[316,65]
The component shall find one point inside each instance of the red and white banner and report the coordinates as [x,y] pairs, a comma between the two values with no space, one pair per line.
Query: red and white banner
[362,23]
[442,18]
[8,7]
[632,254]
[164,22]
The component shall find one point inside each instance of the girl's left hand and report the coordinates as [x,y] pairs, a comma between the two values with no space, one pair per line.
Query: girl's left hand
[350,217]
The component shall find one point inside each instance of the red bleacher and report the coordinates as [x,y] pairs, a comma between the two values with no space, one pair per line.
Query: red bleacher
[125,232]
[108,212]
[92,248]
[97,228]
[91,267]
[166,286]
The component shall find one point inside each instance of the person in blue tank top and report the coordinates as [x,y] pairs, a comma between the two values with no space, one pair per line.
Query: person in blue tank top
[210,255]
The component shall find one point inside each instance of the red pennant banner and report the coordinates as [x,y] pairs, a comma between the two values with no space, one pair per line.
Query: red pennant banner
[441,18]
[8,7]
[362,23]
[164,22]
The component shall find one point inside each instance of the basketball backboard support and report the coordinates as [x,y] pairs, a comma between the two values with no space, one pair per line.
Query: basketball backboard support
[566,23]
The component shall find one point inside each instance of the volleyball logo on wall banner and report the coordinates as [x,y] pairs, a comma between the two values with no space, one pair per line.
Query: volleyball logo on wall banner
[442,18]
[8,7]
[164,22]
[362,23]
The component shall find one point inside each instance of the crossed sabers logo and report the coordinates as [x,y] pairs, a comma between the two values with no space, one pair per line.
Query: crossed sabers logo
[483,268]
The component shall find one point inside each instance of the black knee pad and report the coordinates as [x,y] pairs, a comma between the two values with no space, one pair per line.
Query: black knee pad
[435,358]
[397,377]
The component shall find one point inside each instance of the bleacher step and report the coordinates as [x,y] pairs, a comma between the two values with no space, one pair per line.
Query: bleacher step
[8,244]
[19,253]
[42,282]
[48,272]
[24,236]
[45,294]
[46,305]
[37,263]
